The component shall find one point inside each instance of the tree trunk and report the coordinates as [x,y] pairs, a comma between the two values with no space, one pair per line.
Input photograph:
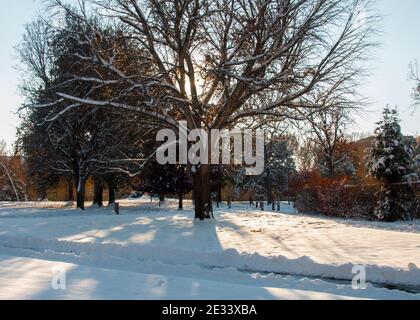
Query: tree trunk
[111,191]
[43,193]
[219,192]
[11,181]
[70,193]
[98,191]
[80,194]
[202,193]
[161,199]
[181,201]
[270,197]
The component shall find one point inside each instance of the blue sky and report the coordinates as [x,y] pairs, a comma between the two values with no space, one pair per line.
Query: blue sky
[388,83]
[13,16]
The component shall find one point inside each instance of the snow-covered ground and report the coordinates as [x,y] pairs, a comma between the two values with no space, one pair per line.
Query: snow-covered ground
[149,252]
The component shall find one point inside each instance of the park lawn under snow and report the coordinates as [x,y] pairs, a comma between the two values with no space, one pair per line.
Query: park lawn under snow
[161,253]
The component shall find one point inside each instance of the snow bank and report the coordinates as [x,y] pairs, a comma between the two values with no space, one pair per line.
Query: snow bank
[230,258]
[85,283]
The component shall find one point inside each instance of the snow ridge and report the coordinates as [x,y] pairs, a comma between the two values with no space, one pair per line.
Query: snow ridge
[231,258]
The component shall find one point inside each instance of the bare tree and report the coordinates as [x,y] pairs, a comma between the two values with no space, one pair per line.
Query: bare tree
[415,76]
[4,165]
[215,63]
[305,155]
[3,148]
[326,134]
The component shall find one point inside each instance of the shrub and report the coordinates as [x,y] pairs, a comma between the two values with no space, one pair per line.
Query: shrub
[307,201]
[335,199]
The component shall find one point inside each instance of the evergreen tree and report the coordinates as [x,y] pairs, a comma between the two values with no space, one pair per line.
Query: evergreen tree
[166,180]
[391,161]
[279,163]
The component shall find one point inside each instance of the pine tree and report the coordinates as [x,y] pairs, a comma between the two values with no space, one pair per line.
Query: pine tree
[166,180]
[391,161]
[279,163]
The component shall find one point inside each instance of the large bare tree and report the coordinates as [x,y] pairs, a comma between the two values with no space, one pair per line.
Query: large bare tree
[215,63]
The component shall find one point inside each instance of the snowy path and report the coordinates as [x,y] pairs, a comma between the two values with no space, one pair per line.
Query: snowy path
[149,241]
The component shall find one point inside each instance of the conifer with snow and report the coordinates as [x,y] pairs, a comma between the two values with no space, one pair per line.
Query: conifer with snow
[278,164]
[391,161]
